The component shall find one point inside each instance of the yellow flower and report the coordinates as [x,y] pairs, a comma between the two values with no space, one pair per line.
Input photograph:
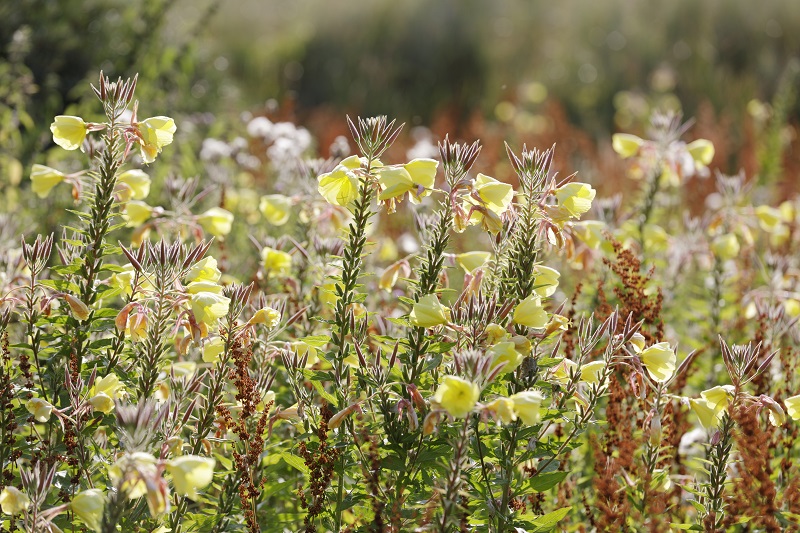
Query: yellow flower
[68,131]
[590,372]
[725,246]
[88,506]
[709,416]
[394,182]
[137,182]
[340,186]
[13,501]
[590,232]
[718,397]
[212,349]
[428,312]
[183,368]
[793,407]
[204,270]
[276,208]
[137,326]
[302,348]
[392,273]
[659,360]
[79,309]
[457,396]
[702,151]
[196,287]
[529,312]
[502,408]
[626,145]
[546,280]
[276,263]
[769,217]
[190,473]
[527,406]
[216,221]
[135,475]
[208,307]
[637,341]
[156,133]
[136,213]
[423,175]
[105,391]
[39,408]
[495,194]
[505,352]
[574,199]
[43,179]
[472,261]
[267,316]
[561,372]
[495,333]
[102,402]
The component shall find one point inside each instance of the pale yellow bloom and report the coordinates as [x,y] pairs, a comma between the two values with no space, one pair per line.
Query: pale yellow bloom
[276,208]
[196,287]
[212,349]
[472,261]
[502,408]
[136,213]
[793,407]
[769,218]
[88,506]
[590,232]
[208,307]
[216,221]
[495,333]
[13,501]
[392,273]
[545,280]
[156,133]
[591,372]
[276,263]
[637,341]
[527,406]
[660,361]
[709,416]
[529,312]
[457,396]
[39,408]
[137,182]
[183,368]
[423,175]
[267,316]
[702,151]
[79,309]
[302,348]
[43,179]
[102,402]
[574,199]
[626,145]
[340,186]
[428,312]
[68,131]
[495,194]
[718,397]
[725,246]
[204,270]
[505,352]
[561,372]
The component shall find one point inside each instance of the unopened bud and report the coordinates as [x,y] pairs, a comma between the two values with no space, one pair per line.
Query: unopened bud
[79,309]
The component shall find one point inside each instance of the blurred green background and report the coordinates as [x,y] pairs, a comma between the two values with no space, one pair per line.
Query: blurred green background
[450,63]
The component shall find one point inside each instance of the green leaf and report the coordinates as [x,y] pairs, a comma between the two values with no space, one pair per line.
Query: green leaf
[546,480]
[295,462]
[687,527]
[550,520]
[330,398]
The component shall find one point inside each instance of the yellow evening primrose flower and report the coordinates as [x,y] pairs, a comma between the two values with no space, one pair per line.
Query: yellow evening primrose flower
[495,333]
[212,349]
[110,385]
[208,307]
[43,179]
[793,407]
[529,312]
[102,402]
[156,133]
[505,352]
[428,312]
[660,361]
[545,280]
[13,501]
[129,472]
[590,372]
[340,186]
[637,341]
[267,316]
[561,372]
[191,473]
[590,232]
[301,349]
[527,406]
[718,397]
[79,309]
[137,181]
[68,131]
[39,408]
[394,182]
[423,175]
[216,221]
[276,208]
[495,194]
[136,213]
[276,263]
[709,416]
[457,396]
[204,270]
[702,151]
[392,273]
[88,506]
[725,246]
[503,409]
[575,199]
[472,261]
[626,145]
[769,217]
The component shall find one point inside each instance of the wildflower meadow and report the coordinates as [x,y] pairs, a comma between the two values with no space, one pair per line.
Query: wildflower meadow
[252,325]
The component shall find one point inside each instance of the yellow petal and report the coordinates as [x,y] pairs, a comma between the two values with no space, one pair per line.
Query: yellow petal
[68,131]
